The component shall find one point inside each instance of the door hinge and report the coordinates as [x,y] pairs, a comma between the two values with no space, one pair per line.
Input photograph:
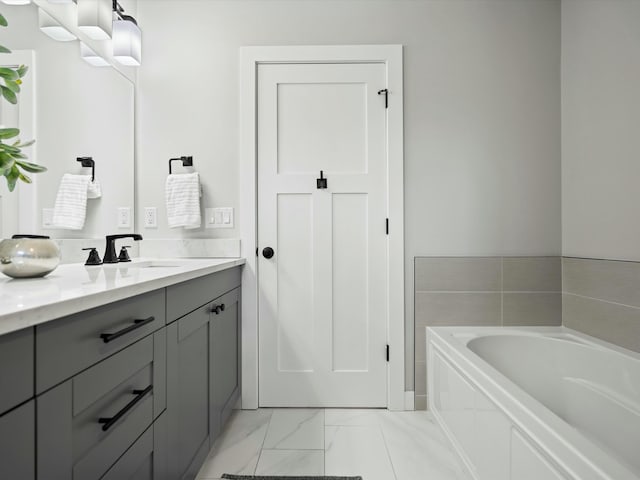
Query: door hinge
[387,352]
[387,226]
[257,252]
[385,92]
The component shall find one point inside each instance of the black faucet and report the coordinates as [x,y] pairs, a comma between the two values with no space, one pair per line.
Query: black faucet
[110,252]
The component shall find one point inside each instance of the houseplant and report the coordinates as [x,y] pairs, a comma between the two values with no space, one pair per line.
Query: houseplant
[13,164]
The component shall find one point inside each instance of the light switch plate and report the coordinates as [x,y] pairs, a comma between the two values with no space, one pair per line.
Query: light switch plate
[219,217]
[124,217]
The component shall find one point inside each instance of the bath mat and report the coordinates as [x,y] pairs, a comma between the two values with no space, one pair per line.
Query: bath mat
[251,477]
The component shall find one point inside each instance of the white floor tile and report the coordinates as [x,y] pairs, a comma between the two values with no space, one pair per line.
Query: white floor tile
[238,448]
[418,448]
[352,416]
[291,462]
[357,450]
[296,429]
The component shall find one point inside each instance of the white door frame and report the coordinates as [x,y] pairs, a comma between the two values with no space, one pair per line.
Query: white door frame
[250,58]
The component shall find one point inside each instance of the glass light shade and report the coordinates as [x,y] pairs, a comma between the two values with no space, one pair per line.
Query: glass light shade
[91,57]
[51,27]
[127,43]
[17,2]
[95,18]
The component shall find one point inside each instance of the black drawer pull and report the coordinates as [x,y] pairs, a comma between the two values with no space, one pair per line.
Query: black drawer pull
[107,337]
[109,422]
[217,309]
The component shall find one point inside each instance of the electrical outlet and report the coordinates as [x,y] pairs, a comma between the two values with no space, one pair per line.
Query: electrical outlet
[47,218]
[150,217]
[124,217]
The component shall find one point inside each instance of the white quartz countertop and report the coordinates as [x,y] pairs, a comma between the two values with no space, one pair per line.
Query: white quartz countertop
[74,288]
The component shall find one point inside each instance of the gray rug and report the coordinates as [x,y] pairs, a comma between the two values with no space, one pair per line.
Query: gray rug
[251,477]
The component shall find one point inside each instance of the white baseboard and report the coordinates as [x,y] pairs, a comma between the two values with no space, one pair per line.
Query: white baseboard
[409,400]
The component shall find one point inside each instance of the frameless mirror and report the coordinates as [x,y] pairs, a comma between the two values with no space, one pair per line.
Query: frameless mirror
[72,109]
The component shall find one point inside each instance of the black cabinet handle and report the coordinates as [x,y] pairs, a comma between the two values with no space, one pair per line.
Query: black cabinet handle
[217,309]
[107,337]
[109,422]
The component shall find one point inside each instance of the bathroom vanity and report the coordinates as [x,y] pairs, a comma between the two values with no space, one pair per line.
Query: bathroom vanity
[118,372]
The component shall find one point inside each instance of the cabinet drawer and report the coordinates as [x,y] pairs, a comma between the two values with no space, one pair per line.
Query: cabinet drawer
[18,443]
[146,459]
[86,423]
[67,346]
[16,368]
[187,296]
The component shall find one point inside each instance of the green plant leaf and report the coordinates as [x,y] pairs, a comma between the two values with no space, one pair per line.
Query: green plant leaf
[25,144]
[25,178]
[9,73]
[22,70]
[6,165]
[12,178]
[8,133]
[9,95]
[31,167]
[4,49]
[3,21]
[13,86]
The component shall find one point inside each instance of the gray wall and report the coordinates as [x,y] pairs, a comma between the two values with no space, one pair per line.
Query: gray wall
[600,168]
[600,118]
[482,291]
[602,298]
[482,111]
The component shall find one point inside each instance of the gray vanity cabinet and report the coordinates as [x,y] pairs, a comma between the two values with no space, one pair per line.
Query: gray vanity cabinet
[138,389]
[69,345]
[88,422]
[224,385]
[202,367]
[147,457]
[16,368]
[188,392]
[18,443]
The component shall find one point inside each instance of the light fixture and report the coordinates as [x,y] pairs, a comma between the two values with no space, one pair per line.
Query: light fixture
[60,1]
[52,28]
[17,2]
[127,38]
[95,18]
[91,57]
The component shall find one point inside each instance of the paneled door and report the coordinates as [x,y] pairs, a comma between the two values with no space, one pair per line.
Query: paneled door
[322,209]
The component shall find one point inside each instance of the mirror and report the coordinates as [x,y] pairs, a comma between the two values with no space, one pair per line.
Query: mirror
[71,109]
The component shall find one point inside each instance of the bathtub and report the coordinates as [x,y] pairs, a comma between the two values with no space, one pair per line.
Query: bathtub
[536,403]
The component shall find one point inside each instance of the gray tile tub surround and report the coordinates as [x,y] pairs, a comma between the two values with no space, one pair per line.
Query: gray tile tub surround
[482,291]
[602,298]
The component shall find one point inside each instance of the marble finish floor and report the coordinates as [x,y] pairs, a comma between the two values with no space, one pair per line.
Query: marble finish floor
[376,444]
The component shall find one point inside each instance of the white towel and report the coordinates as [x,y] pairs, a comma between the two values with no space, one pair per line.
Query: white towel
[183,200]
[71,203]
[94,190]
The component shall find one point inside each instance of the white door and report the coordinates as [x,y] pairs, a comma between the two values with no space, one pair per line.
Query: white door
[323,294]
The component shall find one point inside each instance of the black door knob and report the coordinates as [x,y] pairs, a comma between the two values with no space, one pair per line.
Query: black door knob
[267,252]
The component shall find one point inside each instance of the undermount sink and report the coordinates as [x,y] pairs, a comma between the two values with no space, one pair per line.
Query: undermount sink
[147,264]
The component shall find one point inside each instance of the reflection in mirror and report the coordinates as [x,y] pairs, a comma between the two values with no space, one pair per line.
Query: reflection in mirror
[72,109]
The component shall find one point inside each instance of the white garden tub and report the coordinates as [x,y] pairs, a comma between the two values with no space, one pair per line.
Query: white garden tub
[536,403]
